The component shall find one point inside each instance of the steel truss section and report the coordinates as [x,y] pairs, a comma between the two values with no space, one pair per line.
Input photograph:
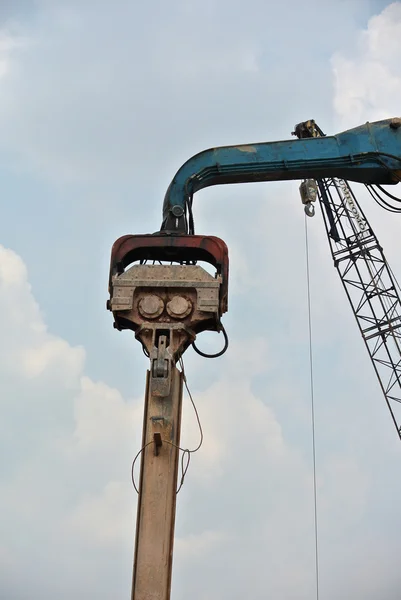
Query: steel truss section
[369,283]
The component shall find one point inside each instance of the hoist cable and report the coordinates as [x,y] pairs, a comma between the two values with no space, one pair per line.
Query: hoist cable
[312,409]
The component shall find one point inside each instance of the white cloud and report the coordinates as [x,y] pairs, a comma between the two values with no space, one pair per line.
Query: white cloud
[230,411]
[7,44]
[82,90]
[72,486]
[96,97]
[103,518]
[105,96]
[94,506]
[368,85]
[54,467]
[13,271]
[48,355]
[31,350]
[102,415]
[193,546]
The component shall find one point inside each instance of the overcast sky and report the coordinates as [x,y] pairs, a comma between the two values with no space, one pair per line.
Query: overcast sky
[100,103]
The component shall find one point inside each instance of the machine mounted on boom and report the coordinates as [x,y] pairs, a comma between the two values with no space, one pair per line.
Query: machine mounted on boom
[159,291]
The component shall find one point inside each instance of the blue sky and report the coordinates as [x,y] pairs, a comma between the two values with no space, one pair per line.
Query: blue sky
[99,106]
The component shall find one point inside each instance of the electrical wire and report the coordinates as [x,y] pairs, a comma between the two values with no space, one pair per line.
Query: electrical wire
[217,353]
[312,409]
[138,454]
[186,452]
[381,201]
[381,188]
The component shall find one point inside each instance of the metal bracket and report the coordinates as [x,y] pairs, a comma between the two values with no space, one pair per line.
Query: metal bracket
[161,361]
[160,365]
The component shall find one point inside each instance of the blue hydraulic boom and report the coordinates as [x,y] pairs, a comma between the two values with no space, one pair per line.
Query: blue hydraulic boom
[369,154]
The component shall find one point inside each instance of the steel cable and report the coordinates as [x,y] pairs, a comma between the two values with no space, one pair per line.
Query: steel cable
[312,409]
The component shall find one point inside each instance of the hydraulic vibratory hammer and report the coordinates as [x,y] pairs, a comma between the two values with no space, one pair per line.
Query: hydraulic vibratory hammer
[159,291]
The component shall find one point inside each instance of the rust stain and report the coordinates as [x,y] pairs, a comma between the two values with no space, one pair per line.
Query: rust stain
[395,123]
[246,148]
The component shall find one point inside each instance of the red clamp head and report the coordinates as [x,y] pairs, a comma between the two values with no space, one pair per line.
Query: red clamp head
[183,249]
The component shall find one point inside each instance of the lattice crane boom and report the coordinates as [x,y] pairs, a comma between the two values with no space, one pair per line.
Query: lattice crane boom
[371,288]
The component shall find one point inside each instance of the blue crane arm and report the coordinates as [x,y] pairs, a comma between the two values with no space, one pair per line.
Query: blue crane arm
[370,154]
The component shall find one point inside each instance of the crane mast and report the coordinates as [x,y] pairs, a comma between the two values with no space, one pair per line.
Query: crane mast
[369,283]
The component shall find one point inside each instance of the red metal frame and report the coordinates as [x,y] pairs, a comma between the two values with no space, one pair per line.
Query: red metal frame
[172,247]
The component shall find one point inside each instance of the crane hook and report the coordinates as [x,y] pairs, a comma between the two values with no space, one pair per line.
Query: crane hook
[309,209]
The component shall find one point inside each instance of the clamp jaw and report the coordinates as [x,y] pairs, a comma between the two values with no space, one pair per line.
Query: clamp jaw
[167,305]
